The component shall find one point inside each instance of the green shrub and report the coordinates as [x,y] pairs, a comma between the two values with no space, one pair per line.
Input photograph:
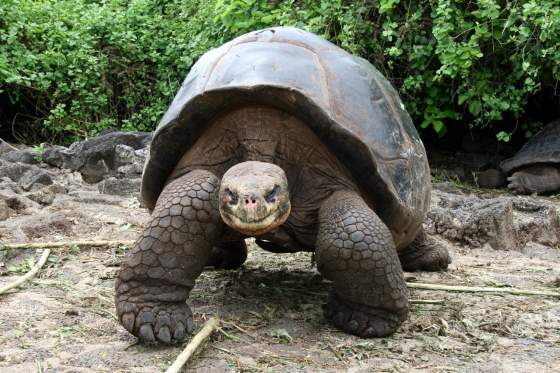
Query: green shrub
[473,62]
[74,68]
[84,66]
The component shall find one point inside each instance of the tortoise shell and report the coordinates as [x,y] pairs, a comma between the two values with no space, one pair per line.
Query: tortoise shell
[344,99]
[544,147]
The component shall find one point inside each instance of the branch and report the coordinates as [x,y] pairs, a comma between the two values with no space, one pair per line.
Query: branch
[197,340]
[478,289]
[8,144]
[29,275]
[61,244]
[426,301]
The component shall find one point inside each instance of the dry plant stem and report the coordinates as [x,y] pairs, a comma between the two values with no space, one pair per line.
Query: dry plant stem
[61,244]
[426,301]
[29,275]
[475,289]
[9,145]
[197,340]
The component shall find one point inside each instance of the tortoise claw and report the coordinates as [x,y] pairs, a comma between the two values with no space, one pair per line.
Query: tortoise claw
[146,333]
[164,335]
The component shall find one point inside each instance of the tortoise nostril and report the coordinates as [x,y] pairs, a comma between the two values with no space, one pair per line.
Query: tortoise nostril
[251,201]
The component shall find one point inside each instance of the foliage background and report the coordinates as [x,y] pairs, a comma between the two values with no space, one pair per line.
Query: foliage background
[72,68]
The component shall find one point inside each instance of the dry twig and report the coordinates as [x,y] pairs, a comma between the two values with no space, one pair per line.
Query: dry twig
[29,275]
[63,244]
[8,144]
[426,301]
[194,343]
[480,289]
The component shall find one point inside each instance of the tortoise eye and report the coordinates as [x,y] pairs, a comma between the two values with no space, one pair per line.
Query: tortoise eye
[270,196]
[231,196]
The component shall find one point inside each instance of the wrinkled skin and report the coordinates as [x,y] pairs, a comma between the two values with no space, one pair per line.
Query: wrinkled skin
[259,172]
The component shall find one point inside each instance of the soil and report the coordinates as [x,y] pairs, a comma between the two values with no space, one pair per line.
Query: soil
[271,308]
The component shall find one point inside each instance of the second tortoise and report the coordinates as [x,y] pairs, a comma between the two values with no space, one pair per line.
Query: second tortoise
[534,169]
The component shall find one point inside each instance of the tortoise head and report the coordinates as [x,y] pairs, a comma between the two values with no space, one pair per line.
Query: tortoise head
[254,197]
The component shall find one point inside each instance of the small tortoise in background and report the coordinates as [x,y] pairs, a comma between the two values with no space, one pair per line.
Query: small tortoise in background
[534,169]
[282,136]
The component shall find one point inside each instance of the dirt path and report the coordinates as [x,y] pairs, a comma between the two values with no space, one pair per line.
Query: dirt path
[64,320]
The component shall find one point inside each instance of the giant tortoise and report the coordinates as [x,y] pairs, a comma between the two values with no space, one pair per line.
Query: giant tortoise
[282,136]
[535,168]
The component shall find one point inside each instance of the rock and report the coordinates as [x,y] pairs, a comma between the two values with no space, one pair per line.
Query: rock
[27,176]
[5,210]
[505,223]
[17,202]
[120,187]
[60,156]
[58,223]
[91,197]
[8,184]
[46,196]
[536,250]
[129,162]
[23,156]
[474,222]
[13,170]
[5,147]
[93,170]
[536,221]
[33,177]
[102,156]
[124,154]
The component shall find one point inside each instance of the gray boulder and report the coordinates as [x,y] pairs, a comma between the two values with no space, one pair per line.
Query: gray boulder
[26,176]
[129,161]
[121,187]
[14,171]
[23,156]
[101,156]
[505,222]
[17,202]
[5,210]
[45,196]
[34,177]
[60,156]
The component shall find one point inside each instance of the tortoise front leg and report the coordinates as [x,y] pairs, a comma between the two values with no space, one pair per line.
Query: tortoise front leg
[355,250]
[157,276]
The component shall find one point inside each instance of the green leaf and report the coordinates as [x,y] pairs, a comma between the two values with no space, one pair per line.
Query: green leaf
[474,107]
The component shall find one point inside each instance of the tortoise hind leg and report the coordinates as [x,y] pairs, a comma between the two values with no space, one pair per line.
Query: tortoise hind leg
[157,276]
[355,250]
[424,253]
[536,179]
[228,255]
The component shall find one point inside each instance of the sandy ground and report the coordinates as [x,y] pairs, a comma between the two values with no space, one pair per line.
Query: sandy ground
[63,321]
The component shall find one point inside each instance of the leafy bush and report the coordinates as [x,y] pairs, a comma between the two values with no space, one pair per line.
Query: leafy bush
[74,68]
[476,62]
[83,66]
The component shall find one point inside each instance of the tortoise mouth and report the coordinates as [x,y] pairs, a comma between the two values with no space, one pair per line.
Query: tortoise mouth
[253,225]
